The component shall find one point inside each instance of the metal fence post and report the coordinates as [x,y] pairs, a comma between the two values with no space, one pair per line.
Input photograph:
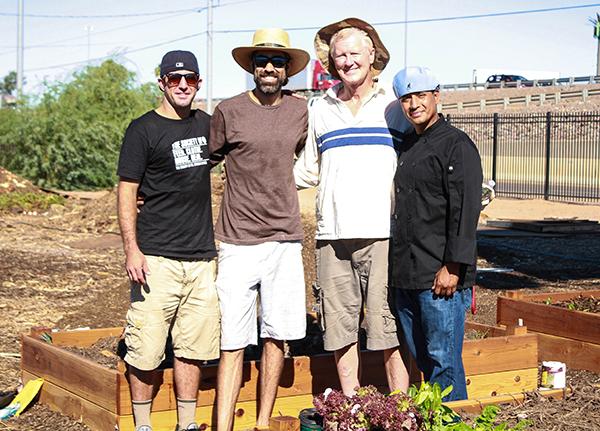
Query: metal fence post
[547,168]
[495,147]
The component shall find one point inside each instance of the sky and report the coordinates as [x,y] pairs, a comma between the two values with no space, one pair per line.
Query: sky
[453,38]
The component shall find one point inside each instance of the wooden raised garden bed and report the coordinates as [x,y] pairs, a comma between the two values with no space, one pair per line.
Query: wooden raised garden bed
[569,336]
[498,365]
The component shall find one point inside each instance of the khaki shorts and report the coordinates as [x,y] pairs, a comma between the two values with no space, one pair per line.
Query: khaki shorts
[180,297]
[352,287]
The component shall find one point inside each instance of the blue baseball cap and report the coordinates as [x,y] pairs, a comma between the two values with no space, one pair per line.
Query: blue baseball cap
[414,79]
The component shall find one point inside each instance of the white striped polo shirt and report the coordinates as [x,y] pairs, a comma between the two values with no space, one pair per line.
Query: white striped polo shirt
[352,161]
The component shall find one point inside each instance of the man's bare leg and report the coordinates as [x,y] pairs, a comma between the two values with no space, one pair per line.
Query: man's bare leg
[186,373]
[271,367]
[397,375]
[229,382]
[141,385]
[347,361]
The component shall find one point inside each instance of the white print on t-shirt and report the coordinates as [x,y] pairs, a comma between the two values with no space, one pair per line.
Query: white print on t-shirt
[188,153]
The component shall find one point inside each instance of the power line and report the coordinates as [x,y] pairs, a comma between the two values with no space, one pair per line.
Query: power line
[130,15]
[125,52]
[416,21]
[427,20]
[123,27]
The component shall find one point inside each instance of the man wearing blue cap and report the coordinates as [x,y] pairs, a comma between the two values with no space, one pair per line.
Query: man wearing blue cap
[169,245]
[432,262]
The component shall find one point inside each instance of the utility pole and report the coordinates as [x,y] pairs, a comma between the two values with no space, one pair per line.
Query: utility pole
[597,36]
[209,46]
[405,33]
[89,29]
[20,48]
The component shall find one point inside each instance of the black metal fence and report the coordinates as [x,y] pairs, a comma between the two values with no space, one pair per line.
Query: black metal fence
[550,155]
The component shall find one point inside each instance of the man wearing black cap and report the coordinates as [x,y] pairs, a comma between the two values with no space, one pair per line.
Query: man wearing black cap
[169,246]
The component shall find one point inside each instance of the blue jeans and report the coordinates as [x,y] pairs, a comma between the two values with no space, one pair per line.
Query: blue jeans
[434,329]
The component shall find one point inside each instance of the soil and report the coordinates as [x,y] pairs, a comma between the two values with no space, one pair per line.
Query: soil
[64,270]
[581,303]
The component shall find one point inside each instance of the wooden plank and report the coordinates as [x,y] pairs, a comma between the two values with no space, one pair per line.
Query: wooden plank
[578,355]
[246,418]
[78,408]
[550,320]
[559,296]
[547,226]
[506,382]
[70,371]
[480,386]
[164,399]
[476,406]
[83,338]
[500,354]
[490,331]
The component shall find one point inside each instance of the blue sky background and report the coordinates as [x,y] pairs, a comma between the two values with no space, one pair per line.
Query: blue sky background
[57,44]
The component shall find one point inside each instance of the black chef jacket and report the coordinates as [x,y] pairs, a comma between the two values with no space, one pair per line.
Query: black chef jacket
[438,200]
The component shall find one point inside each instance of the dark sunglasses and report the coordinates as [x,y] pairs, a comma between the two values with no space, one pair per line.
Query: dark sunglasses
[278,61]
[173,79]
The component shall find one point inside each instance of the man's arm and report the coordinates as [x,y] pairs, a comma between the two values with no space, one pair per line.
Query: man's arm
[135,261]
[217,140]
[306,167]
[464,204]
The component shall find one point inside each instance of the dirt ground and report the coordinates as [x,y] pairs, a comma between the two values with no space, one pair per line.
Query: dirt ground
[64,269]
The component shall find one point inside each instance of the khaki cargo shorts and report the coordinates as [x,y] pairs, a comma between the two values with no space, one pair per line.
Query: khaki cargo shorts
[179,297]
[352,289]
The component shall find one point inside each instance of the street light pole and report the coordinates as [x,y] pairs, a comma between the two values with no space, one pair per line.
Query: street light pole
[89,28]
[405,33]
[20,48]
[209,46]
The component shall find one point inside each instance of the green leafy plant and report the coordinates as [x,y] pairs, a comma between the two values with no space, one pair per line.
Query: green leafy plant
[16,201]
[69,137]
[428,399]
[438,417]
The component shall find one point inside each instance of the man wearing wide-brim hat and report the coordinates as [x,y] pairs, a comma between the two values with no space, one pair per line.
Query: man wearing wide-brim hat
[349,155]
[259,133]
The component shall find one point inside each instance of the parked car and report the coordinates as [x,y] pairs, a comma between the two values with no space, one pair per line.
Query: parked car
[498,79]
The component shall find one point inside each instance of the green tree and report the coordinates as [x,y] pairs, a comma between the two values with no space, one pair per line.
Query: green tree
[9,83]
[70,138]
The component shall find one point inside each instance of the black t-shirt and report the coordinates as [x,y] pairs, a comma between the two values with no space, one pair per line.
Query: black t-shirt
[170,160]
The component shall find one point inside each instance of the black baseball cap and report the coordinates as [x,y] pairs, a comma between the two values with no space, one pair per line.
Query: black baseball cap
[178,60]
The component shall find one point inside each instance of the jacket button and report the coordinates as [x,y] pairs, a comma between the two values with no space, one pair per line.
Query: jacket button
[402,163]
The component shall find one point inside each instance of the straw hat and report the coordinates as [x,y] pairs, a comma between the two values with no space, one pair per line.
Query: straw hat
[271,39]
[323,38]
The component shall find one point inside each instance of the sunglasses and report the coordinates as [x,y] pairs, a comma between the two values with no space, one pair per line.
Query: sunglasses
[173,79]
[278,61]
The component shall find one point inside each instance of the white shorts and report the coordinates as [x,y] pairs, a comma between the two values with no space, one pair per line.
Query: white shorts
[272,271]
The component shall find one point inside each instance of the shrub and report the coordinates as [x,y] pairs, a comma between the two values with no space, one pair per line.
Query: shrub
[70,138]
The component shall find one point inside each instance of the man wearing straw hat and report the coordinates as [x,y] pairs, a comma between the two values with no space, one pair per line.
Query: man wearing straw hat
[259,133]
[350,156]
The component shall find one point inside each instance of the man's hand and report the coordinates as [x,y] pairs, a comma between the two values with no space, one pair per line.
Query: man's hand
[136,266]
[446,280]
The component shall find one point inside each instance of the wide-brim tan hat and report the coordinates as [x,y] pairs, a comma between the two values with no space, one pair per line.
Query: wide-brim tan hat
[323,38]
[271,39]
